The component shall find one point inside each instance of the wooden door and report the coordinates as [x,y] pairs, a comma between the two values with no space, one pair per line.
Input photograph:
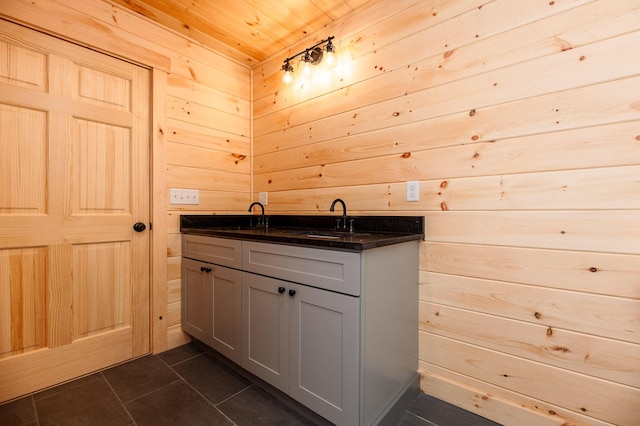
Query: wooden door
[74,178]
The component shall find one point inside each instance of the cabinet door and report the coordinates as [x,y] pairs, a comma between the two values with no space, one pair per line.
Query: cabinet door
[265,328]
[226,298]
[324,357]
[197,294]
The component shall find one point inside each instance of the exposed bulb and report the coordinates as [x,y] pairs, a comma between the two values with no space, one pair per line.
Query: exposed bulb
[330,58]
[287,78]
[330,55]
[306,69]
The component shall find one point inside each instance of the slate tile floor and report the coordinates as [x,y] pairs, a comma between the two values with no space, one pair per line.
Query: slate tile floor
[189,385]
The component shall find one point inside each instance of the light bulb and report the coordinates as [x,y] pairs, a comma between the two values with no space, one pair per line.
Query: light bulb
[330,58]
[287,78]
[307,68]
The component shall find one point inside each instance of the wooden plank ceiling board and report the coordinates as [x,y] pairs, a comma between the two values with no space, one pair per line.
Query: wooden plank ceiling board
[256,29]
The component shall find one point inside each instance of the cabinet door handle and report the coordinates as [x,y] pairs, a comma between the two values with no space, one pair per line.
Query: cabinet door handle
[281,290]
[203,269]
[292,292]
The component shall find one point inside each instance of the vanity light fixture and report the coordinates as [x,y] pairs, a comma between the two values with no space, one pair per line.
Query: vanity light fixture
[310,56]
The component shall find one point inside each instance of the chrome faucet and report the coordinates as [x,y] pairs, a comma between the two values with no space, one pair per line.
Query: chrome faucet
[344,214]
[261,220]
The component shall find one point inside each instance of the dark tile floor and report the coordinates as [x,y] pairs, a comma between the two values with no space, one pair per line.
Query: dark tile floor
[189,385]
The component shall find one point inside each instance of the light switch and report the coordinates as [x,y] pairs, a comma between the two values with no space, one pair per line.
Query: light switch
[184,196]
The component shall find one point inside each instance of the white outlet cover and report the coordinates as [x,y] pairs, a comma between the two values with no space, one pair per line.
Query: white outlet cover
[263,198]
[413,190]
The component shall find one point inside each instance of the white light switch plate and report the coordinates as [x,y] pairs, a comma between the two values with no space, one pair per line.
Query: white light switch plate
[184,196]
[263,197]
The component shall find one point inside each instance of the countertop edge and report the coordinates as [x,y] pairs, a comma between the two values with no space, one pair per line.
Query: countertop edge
[371,231]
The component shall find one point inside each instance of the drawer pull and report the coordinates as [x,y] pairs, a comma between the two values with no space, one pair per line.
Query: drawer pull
[203,269]
[281,290]
[292,292]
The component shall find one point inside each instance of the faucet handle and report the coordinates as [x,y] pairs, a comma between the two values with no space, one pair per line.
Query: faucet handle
[351,229]
[337,223]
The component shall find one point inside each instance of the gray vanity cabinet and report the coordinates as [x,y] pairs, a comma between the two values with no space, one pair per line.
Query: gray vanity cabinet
[336,330]
[211,293]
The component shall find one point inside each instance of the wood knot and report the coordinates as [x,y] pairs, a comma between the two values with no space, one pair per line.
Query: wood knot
[448,53]
[538,315]
[560,349]
[593,269]
[396,114]
[444,207]
[444,184]
[472,113]
[549,332]
[475,137]
[582,58]
[406,155]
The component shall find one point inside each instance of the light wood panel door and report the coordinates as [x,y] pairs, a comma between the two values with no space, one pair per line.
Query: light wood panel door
[74,178]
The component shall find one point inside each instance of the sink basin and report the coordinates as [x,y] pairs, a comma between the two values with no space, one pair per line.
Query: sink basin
[325,236]
[332,235]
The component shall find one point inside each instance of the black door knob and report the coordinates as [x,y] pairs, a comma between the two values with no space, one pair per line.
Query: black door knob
[281,290]
[139,227]
[292,292]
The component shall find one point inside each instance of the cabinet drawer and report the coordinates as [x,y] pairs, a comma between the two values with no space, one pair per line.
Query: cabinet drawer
[220,251]
[327,269]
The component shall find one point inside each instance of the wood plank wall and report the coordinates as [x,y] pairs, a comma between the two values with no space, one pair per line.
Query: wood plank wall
[202,113]
[521,121]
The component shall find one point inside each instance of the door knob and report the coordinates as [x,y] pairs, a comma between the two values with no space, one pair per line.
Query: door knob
[139,227]
[281,290]
[292,292]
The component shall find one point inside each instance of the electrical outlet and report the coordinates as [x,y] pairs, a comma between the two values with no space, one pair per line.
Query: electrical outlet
[184,196]
[413,190]
[263,197]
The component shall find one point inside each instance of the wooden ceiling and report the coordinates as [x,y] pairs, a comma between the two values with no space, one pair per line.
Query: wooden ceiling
[246,30]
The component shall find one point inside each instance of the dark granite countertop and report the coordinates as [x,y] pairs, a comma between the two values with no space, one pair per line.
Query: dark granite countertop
[310,231]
